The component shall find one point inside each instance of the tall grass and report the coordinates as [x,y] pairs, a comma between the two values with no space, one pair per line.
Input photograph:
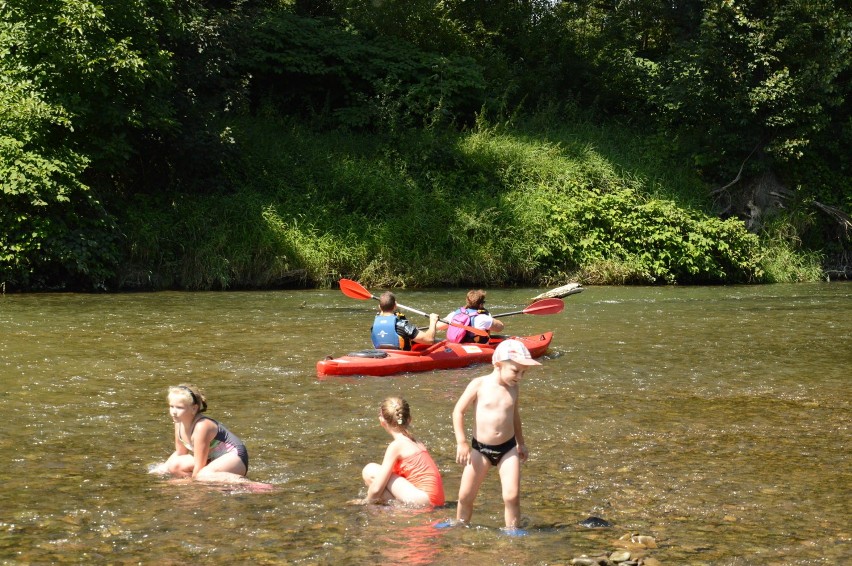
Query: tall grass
[496,205]
[784,261]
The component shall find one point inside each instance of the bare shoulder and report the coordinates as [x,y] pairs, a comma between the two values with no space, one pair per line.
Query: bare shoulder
[476,383]
[471,392]
[205,427]
[405,447]
[394,449]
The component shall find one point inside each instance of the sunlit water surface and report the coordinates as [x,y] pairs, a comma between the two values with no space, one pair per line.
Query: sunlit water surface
[716,420]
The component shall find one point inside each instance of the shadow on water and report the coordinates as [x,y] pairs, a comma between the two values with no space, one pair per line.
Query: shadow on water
[716,420]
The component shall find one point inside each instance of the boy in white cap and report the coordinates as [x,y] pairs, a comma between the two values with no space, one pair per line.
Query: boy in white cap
[498,439]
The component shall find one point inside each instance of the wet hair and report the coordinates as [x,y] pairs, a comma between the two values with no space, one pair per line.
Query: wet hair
[191,394]
[396,412]
[475,299]
[387,301]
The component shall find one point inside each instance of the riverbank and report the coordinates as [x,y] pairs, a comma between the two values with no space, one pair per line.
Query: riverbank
[493,206]
[260,145]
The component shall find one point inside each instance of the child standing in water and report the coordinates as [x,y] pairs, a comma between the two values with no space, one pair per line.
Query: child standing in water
[498,439]
[408,473]
[204,449]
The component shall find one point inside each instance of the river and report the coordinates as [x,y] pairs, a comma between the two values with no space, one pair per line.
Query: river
[714,419]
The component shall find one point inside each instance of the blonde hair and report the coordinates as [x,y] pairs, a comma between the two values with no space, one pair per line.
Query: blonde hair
[190,394]
[397,414]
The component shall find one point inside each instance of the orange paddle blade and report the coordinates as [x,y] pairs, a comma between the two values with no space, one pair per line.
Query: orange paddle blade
[355,290]
[544,306]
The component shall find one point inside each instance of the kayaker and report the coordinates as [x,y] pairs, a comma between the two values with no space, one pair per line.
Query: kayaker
[408,473]
[498,438]
[472,314]
[205,450]
[393,331]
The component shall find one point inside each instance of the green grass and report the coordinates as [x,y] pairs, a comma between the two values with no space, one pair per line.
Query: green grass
[496,205]
[784,261]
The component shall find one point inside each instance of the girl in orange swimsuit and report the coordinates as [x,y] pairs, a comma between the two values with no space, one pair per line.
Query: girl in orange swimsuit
[408,473]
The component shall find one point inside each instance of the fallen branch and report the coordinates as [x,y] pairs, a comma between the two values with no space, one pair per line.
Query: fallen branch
[559,292]
[739,174]
[841,217]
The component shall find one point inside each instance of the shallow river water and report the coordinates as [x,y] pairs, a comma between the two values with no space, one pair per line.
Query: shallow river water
[714,419]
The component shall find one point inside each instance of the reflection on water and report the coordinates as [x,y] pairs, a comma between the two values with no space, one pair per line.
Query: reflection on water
[715,419]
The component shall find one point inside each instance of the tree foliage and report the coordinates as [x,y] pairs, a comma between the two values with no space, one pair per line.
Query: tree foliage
[304,66]
[761,75]
[102,102]
[75,85]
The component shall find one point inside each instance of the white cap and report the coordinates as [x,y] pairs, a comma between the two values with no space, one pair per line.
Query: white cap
[515,351]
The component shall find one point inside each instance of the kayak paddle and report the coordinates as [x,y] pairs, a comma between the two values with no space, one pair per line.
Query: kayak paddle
[355,290]
[544,306]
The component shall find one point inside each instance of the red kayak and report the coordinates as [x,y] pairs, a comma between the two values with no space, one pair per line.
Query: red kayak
[441,355]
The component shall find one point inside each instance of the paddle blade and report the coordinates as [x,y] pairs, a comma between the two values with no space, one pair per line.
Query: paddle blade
[477,331]
[355,290]
[546,306]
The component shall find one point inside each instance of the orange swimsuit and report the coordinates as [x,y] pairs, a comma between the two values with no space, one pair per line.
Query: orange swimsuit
[420,469]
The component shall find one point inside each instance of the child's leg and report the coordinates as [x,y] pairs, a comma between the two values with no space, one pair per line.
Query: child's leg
[405,492]
[180,466]
[228,468]
[369,474]
[472,477]
[510,483]
[397,487]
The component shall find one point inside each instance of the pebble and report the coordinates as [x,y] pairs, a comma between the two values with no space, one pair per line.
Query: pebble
[646,541]
[630,551]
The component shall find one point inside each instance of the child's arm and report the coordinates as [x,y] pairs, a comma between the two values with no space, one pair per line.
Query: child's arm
[203,433]
[180,449]
[467,398]
[380,482]
[523,453]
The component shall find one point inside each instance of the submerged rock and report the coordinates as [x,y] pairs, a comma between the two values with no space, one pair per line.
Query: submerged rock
[595,523]
[646,541]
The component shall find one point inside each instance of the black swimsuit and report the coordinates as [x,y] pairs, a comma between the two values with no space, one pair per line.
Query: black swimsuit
[493,453]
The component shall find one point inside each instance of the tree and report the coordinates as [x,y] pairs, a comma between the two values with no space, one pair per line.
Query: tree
[760,77]
[77,80]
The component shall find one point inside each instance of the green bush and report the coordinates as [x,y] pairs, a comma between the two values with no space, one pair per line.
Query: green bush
[487,207]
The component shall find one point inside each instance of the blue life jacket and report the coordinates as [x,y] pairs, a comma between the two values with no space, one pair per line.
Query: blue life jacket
[384,334]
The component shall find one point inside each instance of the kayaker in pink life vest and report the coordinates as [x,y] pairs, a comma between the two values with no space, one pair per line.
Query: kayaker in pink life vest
[472,314]
[393,331]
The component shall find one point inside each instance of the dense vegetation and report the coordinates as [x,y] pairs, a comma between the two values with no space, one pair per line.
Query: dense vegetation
[256,143]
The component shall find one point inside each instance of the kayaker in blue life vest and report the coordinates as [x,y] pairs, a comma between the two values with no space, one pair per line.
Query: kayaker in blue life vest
[473,314]
[392,330]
